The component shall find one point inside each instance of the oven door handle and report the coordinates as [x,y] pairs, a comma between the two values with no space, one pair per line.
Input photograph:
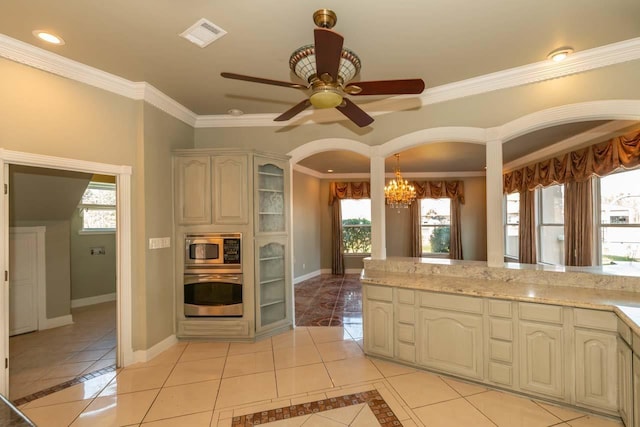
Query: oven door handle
[215,278]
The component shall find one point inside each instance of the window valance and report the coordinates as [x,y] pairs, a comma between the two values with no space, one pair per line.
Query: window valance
[577,166]
[349,190]
[439,189]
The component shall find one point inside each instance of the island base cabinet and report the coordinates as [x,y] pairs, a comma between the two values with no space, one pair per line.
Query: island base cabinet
[451,342]
[596,370]
[541,359]
[636,390]
[625,383]
[379,334]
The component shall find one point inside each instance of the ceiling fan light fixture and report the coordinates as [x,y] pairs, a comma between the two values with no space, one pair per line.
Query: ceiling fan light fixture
[326,98]
[303,63]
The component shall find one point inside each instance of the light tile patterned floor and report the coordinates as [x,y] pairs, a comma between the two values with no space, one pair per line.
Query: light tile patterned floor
[203,384]
[40,360]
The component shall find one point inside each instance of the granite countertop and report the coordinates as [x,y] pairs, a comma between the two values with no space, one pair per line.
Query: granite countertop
[618,294]
[10,416]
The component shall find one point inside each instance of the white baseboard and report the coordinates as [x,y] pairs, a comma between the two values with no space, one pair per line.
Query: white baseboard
[81,302]
[56,322]
[150,353]
[307,276]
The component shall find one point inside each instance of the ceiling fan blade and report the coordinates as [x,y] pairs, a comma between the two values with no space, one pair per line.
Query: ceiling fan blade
[354,113]
[263,81]
[298,108]
[328,49]
[386,87]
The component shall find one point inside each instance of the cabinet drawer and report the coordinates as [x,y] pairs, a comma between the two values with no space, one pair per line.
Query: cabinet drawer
[379,293]
[406,314]
[406,352]
[500,308]
[406,333]
[625,332]
[451,302]
[501,374]
[501,329]
[405,296]
[501,351]
[541,312]
[595,319]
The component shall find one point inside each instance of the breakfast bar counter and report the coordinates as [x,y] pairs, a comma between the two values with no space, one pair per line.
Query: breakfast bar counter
[570,335]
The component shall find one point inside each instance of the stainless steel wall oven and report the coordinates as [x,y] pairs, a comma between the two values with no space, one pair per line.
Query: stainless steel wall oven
[213,275]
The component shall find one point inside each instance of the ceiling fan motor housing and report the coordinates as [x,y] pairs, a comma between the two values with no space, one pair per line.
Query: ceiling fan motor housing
[325,18]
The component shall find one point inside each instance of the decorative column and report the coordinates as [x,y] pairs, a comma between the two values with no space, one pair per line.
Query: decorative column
[495,229]
[378,243]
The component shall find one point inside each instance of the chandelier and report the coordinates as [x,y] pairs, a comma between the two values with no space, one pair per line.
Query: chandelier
[398,193]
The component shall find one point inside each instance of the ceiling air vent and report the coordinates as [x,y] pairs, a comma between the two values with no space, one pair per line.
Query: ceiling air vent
[203,33]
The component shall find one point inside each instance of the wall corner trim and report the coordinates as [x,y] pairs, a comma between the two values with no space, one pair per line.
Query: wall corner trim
[57,321]
[82,302]
[307,276]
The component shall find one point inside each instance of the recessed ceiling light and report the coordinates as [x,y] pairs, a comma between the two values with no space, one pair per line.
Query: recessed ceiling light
[559,54]
[235,112]
[329,170]
[48,37]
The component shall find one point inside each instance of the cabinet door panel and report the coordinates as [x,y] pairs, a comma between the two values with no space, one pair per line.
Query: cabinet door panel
[625,383]
[379,332]
[451,342]
[193,190]
[596,369]
[273,283]
[231,198]
[541,359]
[636,390]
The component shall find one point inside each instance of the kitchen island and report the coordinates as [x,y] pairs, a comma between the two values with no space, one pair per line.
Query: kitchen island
[557,333]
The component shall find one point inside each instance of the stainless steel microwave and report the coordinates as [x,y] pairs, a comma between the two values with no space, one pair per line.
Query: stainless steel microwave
[220,252]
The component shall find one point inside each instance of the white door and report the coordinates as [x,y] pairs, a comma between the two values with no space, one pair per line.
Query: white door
[23,281]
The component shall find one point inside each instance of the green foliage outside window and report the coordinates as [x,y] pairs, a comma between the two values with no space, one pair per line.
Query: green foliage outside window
[440,240]
[356,235]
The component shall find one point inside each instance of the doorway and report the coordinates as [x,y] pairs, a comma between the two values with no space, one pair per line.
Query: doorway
[122,305]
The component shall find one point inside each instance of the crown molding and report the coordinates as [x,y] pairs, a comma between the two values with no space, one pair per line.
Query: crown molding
[366,175]
[603,56]
[24,53]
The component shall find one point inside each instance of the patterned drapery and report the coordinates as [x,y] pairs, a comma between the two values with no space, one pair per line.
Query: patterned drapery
[349,190]
[453,190]
[577,166]
[337,191]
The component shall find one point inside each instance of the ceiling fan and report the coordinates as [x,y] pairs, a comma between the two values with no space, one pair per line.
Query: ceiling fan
[327,68]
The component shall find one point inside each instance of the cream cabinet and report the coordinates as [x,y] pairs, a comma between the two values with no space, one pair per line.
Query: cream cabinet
[230,189]
[273,290]
[636,389]
[541,345]
[625,383]
[271,182]
[192,178]
[378,314]
[451,342]
[596,369]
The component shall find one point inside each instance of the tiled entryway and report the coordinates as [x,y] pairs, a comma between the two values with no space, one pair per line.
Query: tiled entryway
[40,360]
[330,300]
[202,384]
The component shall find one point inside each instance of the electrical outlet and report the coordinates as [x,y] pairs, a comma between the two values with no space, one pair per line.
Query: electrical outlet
[304,266]
[97,250]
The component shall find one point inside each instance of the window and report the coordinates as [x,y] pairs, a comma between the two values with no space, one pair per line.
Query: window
[98,208]
[435,216]
[551,226]
[511,221]
[356,225]
[620,217]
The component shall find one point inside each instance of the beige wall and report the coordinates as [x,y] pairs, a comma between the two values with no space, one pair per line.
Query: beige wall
[306,224]
[91,275]
[46,114]
[162,133]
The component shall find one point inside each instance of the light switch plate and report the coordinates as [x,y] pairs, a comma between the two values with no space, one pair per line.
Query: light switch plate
[159,242]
